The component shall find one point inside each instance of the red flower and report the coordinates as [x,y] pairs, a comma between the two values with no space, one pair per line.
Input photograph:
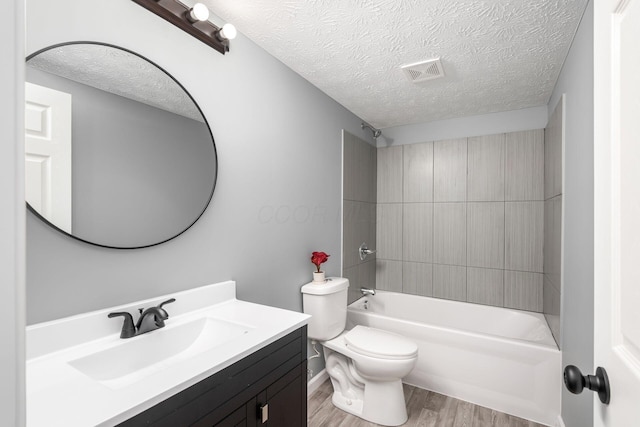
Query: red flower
[317,258]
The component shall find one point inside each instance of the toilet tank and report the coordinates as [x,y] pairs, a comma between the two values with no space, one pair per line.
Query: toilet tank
[327,305]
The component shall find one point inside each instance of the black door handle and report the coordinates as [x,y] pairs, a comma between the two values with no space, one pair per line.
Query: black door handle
[576,382]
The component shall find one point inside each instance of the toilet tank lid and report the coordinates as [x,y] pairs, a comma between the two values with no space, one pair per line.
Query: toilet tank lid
[332,285]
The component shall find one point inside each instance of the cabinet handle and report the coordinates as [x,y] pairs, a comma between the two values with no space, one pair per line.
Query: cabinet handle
[264,413]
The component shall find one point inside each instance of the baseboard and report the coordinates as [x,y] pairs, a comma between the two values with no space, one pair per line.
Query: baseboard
[560,422]
[315,382]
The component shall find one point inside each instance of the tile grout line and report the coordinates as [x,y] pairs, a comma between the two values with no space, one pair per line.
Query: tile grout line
[466,228]
[402,217]
[466,224]
[504,239]
[433,213]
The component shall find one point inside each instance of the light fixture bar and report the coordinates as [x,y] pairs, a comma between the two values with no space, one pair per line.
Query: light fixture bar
[179,15]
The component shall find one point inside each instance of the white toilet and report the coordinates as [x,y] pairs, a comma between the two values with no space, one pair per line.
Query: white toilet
[366,365]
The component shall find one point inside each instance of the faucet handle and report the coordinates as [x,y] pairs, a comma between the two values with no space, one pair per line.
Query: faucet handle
[363,251]
[162,311]
[169,301]
[128,328]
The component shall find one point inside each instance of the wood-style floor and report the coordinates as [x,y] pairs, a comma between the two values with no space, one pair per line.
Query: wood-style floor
[426,409]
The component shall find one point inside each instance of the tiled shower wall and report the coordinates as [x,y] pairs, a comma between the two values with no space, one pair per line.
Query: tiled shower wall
[359,213]
[554,135]
[463,219]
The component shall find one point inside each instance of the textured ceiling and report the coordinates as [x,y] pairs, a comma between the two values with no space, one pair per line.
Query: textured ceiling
[497,55]
[118,72]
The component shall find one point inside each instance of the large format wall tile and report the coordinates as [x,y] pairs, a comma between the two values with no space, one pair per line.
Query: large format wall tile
[389,275]
[553,141]
[548,232]
[555,271]
[351,273]
[553,239]
[417,232]
[389,171]
[524,170]
[485,234]
[523,290]
[551,307]
[359,169]
[553,164]
[389,231]
[449,233]
[351,167]
[417,278]
[450,170]
[485,286]
[485,177]
[524,235]
[362,275]
[452,216]
[450,282]
[358,212]
[418,172]
[359,219]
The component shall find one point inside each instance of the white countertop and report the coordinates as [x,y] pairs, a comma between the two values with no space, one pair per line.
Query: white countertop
[60,395]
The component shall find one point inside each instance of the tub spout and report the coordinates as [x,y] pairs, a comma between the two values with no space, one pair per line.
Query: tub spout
[367,291]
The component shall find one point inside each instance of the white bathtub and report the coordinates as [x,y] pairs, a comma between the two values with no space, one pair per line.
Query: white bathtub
[495,357]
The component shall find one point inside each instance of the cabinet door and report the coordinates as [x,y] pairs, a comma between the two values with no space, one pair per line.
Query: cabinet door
[287,400]
[237,418]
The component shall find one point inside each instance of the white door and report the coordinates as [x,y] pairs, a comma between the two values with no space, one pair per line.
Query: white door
[48,153]
[617,208]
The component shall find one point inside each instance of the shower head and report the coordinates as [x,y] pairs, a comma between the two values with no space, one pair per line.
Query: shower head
[376,132]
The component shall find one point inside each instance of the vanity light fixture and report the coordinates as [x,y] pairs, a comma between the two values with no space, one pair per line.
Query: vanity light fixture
[193,20]
[198,12]
[228,32]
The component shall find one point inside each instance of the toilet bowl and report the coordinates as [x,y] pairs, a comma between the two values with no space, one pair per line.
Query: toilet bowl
[365,365]
[367,379]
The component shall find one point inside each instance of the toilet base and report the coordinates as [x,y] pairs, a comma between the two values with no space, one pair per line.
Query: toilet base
[383,403]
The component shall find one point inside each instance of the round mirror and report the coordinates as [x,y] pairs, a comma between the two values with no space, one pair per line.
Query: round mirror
[118,154]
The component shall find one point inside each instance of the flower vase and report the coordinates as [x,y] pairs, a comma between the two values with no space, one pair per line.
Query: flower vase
[318,277]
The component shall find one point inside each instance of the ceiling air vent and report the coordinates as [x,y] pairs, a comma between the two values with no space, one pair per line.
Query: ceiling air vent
[424,70]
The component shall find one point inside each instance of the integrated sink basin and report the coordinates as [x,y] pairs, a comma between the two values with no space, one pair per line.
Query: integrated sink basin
[81,373]
[128,361]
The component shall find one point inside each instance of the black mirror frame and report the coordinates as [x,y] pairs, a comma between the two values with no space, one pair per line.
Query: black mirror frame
[215,152]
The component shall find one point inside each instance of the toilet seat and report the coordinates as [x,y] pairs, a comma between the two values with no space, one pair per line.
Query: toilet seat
[380,344]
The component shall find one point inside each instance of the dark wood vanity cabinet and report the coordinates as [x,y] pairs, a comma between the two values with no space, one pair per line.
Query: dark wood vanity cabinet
[280,404]
[267,388]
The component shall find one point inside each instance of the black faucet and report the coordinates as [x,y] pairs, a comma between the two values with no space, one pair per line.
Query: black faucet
[150,319]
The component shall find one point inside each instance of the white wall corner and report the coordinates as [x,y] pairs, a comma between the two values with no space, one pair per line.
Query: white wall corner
[315,382]
[12,217]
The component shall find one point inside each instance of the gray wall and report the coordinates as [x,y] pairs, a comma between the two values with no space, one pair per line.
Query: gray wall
[462,127]
[576,81]
[462,219]
[359,213]
[12,214]
[140,175]
[278,194]
[553,144]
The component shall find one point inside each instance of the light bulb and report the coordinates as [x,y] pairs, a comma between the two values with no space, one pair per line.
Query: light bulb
[228,31]
[198,12]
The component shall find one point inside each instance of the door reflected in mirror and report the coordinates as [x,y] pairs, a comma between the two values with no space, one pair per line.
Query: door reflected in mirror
[118,154]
